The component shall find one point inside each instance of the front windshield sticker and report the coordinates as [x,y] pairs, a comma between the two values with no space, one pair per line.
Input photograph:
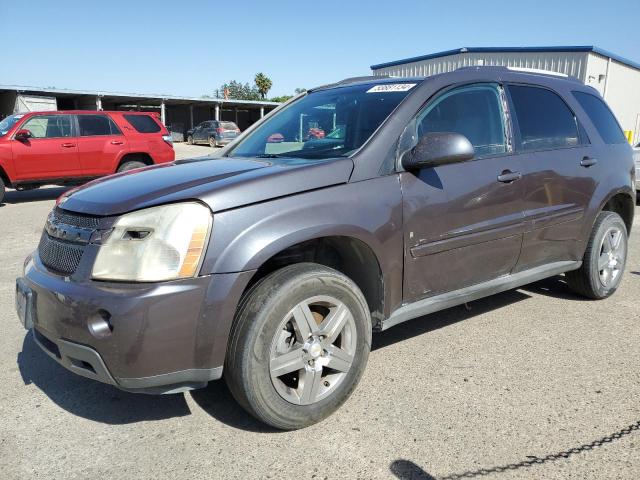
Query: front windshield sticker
[392,87]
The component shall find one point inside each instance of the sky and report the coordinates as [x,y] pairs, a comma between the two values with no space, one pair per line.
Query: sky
[191,48]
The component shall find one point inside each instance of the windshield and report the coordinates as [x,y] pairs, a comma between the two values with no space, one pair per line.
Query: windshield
[8,122]
[325,123]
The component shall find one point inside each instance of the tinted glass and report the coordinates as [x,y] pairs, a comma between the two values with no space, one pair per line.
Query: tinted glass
[91,125]
[601,117]
[475,112]
[8,122]
[227,125]
[544,119]
[143,123]
[49,126]
[307,127]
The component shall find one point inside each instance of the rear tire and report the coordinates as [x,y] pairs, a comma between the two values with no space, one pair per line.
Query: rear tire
[212,142]
[189,140]
[289,373]
[604,259]
[130,165]
[2,190]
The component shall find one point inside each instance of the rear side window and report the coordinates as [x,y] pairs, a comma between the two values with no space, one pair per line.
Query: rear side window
[544,119]
[96,125]
[473,111]
[143,123]
[601,117]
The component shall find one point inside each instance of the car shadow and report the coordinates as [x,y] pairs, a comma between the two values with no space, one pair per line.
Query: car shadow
[444,318]
[91,399]
[36,195]
[555,287]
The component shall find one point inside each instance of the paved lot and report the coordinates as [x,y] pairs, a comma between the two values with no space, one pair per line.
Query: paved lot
[523,375]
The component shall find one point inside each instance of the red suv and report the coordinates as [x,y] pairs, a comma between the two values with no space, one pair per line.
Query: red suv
[70,147]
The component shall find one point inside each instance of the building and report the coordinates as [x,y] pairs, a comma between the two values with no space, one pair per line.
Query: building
[616,78]
[178,113]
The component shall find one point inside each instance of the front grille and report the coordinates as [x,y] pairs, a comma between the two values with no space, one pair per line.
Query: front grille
[62,257]
[75,219]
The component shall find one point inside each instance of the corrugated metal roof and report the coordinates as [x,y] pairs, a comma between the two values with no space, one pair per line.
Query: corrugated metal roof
[98,93]
[584,48]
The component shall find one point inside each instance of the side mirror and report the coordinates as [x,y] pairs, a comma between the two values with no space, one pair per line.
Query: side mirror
[23,134]
[440,148]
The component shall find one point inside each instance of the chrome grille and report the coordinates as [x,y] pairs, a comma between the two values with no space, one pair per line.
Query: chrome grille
[62,257]
[75,219]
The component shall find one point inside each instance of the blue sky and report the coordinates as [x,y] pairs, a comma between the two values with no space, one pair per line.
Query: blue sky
[190,48]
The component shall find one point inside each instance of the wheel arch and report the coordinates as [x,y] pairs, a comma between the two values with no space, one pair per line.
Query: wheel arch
[623,203]
[143,157]
[5,177]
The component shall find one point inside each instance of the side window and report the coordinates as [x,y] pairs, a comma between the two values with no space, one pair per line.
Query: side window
[601,117]
[95,125]
[49,126]
[143,123]
[544,119]
[474,111]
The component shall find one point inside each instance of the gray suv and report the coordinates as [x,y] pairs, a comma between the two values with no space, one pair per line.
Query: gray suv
[348,210]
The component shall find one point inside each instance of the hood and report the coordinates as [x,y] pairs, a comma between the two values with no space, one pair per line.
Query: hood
[222,183]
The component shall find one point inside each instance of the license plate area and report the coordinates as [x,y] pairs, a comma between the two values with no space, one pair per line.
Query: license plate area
[25,304]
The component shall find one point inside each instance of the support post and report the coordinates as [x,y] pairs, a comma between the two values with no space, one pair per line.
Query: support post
[217,111]
[261,112]
[98,103]
[191,115]
[163,114]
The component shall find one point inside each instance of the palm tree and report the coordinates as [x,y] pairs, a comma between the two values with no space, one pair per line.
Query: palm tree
[263,84]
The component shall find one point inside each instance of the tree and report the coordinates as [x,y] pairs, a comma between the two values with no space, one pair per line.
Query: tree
[298,91]
[240,91]
[281,98]
[263,84]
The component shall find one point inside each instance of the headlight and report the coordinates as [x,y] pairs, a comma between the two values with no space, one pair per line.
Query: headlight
[155,244]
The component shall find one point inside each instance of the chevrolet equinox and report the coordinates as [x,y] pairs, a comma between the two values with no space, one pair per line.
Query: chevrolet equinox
[272,264]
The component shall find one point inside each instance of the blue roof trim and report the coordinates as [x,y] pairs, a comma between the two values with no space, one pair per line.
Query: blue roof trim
[446,53]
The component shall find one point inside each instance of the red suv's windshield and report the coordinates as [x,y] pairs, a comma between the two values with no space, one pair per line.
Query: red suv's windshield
[7,123]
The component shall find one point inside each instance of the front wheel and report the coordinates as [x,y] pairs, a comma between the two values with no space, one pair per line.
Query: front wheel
[2,190]
[604,259]
[298,347]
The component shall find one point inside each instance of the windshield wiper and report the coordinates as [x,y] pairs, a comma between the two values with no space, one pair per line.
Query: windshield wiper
[272,155]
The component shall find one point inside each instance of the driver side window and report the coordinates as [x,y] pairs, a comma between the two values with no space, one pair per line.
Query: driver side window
[474,111]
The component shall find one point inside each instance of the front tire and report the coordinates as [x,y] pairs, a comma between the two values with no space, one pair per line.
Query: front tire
[299,345]
[2,190]
[604,259]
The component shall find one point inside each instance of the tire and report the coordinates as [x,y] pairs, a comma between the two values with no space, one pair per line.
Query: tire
[2,190]
[212,142]
[190,140]
[263,332]
[130,165]
[608,243]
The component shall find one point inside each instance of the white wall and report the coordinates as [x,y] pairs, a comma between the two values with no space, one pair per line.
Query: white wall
[622,90]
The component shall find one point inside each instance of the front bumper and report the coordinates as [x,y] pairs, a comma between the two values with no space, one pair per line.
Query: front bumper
[151,338]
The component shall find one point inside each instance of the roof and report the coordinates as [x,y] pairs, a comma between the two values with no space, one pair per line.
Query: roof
[447,53]
[132,96]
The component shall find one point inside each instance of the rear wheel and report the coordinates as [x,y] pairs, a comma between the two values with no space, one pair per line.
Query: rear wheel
[604,259]
[299,345]
[2,190]
[130,165]
[190,140]
[212,142]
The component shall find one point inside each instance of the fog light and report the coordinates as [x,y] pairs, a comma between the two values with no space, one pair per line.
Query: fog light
[100,325]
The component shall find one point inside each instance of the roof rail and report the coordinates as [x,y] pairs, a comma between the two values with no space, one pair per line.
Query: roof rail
[538,70]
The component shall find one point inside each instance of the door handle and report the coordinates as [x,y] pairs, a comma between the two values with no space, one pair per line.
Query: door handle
[68,145]
[508,176]
[588,162]
[116,142]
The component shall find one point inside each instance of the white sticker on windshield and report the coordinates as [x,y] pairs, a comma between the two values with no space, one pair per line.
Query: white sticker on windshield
[391,87]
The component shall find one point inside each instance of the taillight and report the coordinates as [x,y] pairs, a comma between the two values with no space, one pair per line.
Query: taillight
[168,139]
[220,130]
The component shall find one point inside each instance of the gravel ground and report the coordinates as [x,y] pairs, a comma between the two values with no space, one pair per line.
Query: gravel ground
[499,390]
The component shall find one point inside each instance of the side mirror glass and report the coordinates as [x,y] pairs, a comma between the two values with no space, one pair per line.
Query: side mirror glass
[23,134]
[440,148]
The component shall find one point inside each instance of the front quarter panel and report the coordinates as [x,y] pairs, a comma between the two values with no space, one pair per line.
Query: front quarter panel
[370,211]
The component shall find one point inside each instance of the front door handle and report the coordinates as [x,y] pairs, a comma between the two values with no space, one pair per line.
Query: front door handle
[588,162]
[68,145]
[116,142]
[508,176]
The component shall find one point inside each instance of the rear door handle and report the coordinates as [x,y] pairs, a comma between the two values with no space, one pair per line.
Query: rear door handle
[68,145]
[508,176]
[588,162]
[116,142]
